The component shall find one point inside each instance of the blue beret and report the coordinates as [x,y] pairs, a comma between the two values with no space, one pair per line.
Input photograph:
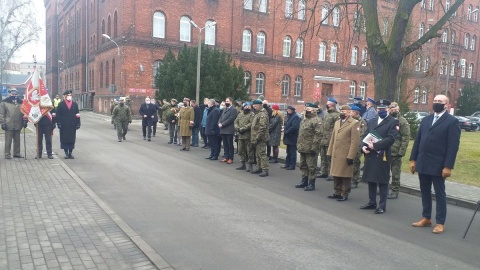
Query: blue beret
[311,105]
[371,100]
[246,104]
[331,99]
[358,98]
[354,107]
[382,103]
[257,101]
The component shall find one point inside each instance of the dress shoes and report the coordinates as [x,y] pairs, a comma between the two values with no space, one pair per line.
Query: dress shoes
[8,157]
[369,206]
[291,168]
[424,222]
[183,149]
[194,145]
[330,178]
[322,176]
[380,211]
[208,157]
[214,158]
[229,161]
[393,195]
[438,229]
[283,166]
[334,196]
[342,198]
[18,156]
[71,157]
[224,160]
[50,157]
[149,139]
[124,138]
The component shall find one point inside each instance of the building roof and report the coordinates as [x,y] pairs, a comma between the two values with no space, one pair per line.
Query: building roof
[15,79]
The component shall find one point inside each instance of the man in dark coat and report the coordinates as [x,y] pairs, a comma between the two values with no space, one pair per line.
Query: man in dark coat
[147,111]
[197,120]
[155,116]
[227,129]
[381,133]
[212,130]
[433,157]
[68,121]
[45,128]
[290,137]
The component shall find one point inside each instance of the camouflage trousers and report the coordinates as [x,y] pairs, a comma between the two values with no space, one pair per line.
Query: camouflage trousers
[172,131]
[325,164]
[261,154]
[356,168]
[122,127]
[245,151]
[308,165]
[396,168]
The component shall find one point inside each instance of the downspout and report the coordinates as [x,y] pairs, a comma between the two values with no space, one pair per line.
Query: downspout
[86,56]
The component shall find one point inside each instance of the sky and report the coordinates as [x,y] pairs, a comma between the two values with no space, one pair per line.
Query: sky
[38,48]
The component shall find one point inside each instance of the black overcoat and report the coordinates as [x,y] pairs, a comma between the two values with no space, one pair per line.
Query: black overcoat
[151,111]
[212,122]
[68,120]
[377,165]
[291,129]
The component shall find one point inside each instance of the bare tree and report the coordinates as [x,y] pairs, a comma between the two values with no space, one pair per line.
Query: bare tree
[18,27]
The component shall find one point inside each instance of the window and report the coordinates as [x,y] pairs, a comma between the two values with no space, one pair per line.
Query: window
[107,71]
[299,48]
[261,43]
[260,83]
[301,10]
[288,8]
[452,68]
[421,30]
[101,76]
[115,24]
[247,41]
[356,21]
[442,66]
[426,64]
[247,80]
[466,40]
[470,70]
[109,26]
[285,85]
[353,60]
[423,5]
[353,88]
[324,15]
[158,25]
[156,68]
[445,68]
[363,89]
[473,43]
[185,29]
[322,51]
[431,4]
[429,27]
[113,71]
[210,33]
[364,57]
[445,36]
[464,70]
[103,31]
[447,5]
[418,63]
[287,45]
[469,13]
[248,4]
[262,5]
[336,16]
[385,26]
[415,95]
[452,37]
[333,53]
[475,15]
[298,86]
[424,96]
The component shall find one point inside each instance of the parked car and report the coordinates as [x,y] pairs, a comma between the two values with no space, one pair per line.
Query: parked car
[476,120]
[467,124]
[475,114]
[418,115]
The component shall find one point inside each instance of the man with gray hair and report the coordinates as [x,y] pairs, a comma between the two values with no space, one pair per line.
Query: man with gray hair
[147,111]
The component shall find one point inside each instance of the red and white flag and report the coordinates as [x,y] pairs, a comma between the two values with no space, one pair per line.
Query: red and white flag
[36,102]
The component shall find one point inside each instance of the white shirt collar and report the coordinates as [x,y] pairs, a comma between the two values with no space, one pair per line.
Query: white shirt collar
[439,114]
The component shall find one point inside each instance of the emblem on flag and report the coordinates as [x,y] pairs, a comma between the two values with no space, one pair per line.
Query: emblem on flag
[36,102]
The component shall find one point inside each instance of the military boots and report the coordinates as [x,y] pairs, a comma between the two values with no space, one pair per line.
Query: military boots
[243,167]
[249,167]
[303,183]
[311,185]
[257,171]
[264,173]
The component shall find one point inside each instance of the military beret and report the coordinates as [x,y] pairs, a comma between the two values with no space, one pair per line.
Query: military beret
[358,98]
[311,105]
[371,100]
[67,92]
[257,101]
[186,99]
[261,97]
[238,100]
[173,100]
[245,104]
[331,99]
[345,107]
[354,107]
[382,103]
[291,108]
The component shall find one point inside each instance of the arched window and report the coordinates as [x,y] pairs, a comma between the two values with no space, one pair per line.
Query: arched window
[418,63]
[210,32]
[285,85]
[353,88]
[424,95]
[469,13]
[447,5]
[363,89]
[421,30]
[109,26]
[473,43]
[385,26]
[101,75]
[287,46]
[298,86]
[288,8]
[247,80]
[115,24]
[248,4]
[452,68]
[247,41]
[322,51]
[426,63]
[324,14]
[416,93]
[445,68]
[431,4]
[260,83]
[107,72]
[158,25]
[333,53]
[113,71]
[261,43]
[364,57]
[475,15]
[103,31]
[452,37]
[262,6]
[301,10]
[185,29]
[445,36]
[466,40]
[470,70]
[464,70]
[353,60]
[442,66]
[156,68]
[299,48]
[336,16]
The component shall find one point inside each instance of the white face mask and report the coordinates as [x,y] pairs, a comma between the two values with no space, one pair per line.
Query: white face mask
[69,98]
[147,101]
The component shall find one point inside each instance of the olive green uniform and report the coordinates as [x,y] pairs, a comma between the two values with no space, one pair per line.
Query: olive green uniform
[121,116]
[243,124]
[260,137]
[308,145]
[356,161]
[327,128]
[398,149]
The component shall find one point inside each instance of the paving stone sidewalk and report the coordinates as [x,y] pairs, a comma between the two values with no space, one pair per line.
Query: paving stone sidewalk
[48,220]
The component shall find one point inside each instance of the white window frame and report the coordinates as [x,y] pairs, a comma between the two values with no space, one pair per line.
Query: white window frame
[299,48]
[469,13]
[385,26]
[156,65]
[298,86]
[424,96]
[445,36]
[421,30]
[363,89]
[423,4]
[426,64]
[442,66]
[336,17]
[247,41]
[354,56]
[418,63]
[322,52]
[470,70]
[452,68]
[301,10]
[333,53]
[475,15]
[262,6]
[431,4]
[463,71]
[261,40]
[285,85]
[473,43]
[210,33]
[364,57]
[288,8]
[287,46]
[353,88]
[185,29]
[260,83]
[466,40]
[416,94]
[247,77]
[324,14]
[447,5]
[453,36]
[248,4]
[158,30]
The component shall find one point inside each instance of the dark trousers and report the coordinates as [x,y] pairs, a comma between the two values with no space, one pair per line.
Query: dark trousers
[438,182]
[214,146]
[144,131]
[342,185]
[154,127]
[204,136]
[194,135]
[44,131]
[228,145]
[372,194]
[291,159]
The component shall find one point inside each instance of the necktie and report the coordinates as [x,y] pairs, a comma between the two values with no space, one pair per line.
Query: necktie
[435,119]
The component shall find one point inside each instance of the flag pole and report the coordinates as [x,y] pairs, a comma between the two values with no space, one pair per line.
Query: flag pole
[24,144]
[38,156]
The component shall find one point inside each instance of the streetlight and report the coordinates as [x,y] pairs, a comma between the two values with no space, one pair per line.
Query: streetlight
[199,53]
[109,38]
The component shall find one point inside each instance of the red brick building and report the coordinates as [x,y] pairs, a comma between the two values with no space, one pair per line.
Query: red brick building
[262,36]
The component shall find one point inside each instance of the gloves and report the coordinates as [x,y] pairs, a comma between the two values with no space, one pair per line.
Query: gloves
[59,126]
[4,126]
[78,126]
[329,158]
[25,122]
[349,161]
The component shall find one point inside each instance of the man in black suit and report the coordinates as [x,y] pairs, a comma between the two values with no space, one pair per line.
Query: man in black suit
[433,156]
[378,155]
[147,111]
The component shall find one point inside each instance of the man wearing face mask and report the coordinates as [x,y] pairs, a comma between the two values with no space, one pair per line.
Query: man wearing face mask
[187,115]
[378,139]
[355,114]
[68,121]
[147,111]
[12,121]
[122,117]
[290,138]
[399,148]
[212,130]
[331,116]
[433,157]
[243,124]
[342,151]
[227,129]
[260,138]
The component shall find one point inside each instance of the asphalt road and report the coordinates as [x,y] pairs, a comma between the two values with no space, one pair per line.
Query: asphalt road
[202,214]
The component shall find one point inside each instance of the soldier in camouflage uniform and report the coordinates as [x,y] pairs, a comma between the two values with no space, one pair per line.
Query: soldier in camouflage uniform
[170,119]
[113,104]
[328,123]
[260,137]
[121,116]
[243,124]
[355,113]
[165,108]
[398,149]
[308,145]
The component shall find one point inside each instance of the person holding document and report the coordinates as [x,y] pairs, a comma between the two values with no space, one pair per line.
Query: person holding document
[378,138]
